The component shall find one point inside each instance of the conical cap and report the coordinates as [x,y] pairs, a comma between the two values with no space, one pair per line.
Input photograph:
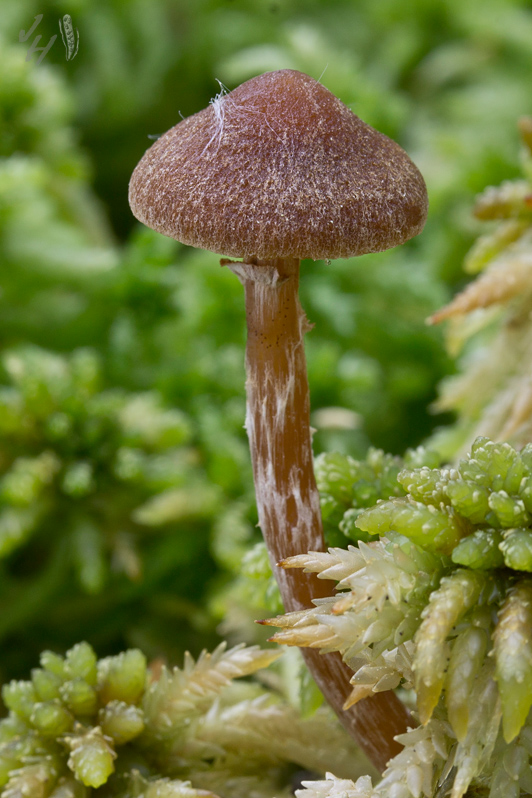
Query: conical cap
[279,167]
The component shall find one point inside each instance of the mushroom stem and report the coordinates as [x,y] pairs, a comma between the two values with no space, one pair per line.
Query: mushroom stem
[278,427]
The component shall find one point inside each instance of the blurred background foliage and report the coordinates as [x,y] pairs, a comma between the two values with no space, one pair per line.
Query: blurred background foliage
[126,500]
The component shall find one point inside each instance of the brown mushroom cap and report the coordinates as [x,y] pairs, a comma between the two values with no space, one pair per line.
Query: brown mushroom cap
[279,168]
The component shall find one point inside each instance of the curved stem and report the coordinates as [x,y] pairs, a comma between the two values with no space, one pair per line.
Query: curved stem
[278,426]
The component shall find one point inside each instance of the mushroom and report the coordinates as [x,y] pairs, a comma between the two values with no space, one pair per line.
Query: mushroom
[276,171]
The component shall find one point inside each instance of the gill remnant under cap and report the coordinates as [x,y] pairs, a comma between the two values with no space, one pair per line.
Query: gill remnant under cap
[279,167]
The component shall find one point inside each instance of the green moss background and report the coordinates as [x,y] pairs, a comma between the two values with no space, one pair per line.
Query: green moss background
[126,502]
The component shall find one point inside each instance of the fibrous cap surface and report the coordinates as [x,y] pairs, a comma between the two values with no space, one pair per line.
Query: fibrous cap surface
[279,167]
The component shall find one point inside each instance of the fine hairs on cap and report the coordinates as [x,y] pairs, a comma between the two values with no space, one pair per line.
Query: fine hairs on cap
[279,167]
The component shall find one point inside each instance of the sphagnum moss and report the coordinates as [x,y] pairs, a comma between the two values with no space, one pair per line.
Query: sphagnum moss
[111,727]
[436,597]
